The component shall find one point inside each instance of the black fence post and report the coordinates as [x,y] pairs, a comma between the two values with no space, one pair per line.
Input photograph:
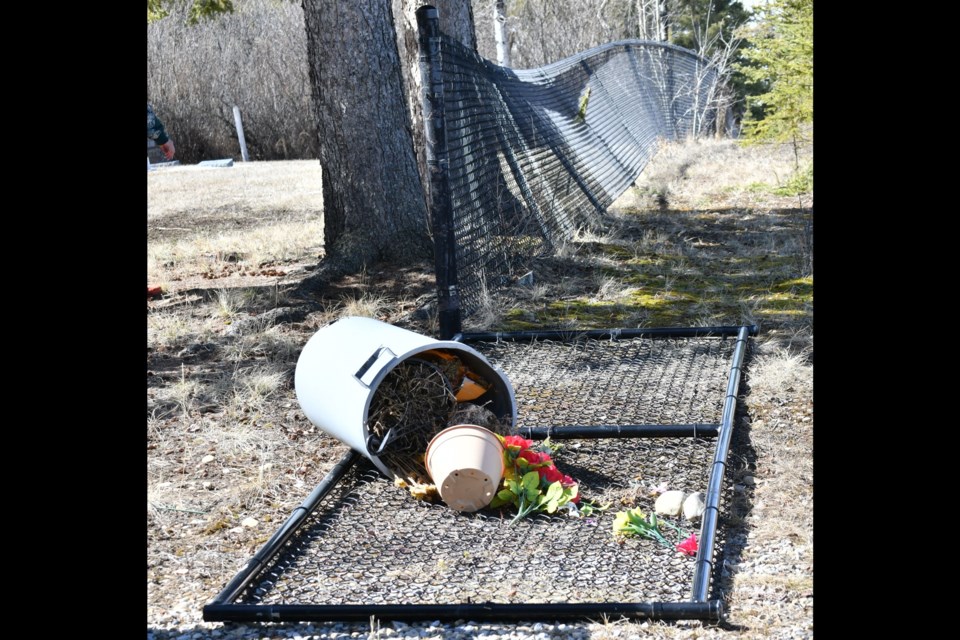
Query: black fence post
[438,163]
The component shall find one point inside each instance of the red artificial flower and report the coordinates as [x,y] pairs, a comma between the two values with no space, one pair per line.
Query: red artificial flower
[567,481]
[689,546]
[517,441]
[551,474]
[530,456]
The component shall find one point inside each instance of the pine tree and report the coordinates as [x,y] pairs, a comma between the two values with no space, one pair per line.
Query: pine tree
[782,59]
[705,25]
[199,9]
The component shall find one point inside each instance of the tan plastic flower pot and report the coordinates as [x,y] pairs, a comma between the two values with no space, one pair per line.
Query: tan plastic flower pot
[466,463]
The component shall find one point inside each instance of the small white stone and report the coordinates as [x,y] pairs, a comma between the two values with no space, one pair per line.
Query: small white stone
[694,506]
[669,503]
[207,458]
[249,522]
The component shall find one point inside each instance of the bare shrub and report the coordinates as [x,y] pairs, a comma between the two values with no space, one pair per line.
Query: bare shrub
[254,58]
[535,28]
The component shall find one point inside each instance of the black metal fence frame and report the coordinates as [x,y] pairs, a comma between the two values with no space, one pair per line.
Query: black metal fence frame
[224,608]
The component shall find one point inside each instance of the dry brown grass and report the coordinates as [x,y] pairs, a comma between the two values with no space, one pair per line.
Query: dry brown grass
[230,453]
[223,223]
[709,172]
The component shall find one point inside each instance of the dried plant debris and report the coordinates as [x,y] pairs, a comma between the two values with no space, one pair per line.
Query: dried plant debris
[466,384]
[412,404]
[469,413]
[451,366]
[417,400]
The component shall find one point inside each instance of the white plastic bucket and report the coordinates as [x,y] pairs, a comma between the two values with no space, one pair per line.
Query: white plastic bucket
[341,366]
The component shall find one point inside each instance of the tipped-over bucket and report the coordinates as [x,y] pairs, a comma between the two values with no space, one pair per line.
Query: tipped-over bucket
[342,366]
[466,463]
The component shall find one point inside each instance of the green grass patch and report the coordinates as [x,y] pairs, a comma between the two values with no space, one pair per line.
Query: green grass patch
[757,187]
[800,182]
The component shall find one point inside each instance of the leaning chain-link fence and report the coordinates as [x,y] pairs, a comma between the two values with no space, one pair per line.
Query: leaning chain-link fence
[535,155]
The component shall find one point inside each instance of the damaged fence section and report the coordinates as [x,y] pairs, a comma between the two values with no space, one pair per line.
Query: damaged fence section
[520,159]
[632,413]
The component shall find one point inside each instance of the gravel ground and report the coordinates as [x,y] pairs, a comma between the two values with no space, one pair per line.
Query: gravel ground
[768,594]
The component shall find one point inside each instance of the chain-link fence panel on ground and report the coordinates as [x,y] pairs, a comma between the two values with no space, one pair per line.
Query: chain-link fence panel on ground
[365,547]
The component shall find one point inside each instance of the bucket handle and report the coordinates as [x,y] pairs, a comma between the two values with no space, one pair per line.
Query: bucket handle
[375,445]
[369,363]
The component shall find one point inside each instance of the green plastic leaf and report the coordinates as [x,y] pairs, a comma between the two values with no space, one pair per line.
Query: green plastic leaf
[504,496]
[531,481]
[621,522]
[555,491]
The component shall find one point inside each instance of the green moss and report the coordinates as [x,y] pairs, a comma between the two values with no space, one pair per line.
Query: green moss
[616,251]
[800,182]
[739,267]
[801,287]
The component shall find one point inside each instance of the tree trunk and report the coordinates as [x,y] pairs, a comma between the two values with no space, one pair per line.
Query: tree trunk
[500,33]
[373,203]
[456,21]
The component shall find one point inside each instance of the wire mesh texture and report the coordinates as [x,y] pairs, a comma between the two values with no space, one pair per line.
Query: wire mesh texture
[369,543]
[535,155]
[615,382]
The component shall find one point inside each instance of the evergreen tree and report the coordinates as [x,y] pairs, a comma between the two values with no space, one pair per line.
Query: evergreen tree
[781,58]
[705,25]
[199,9]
